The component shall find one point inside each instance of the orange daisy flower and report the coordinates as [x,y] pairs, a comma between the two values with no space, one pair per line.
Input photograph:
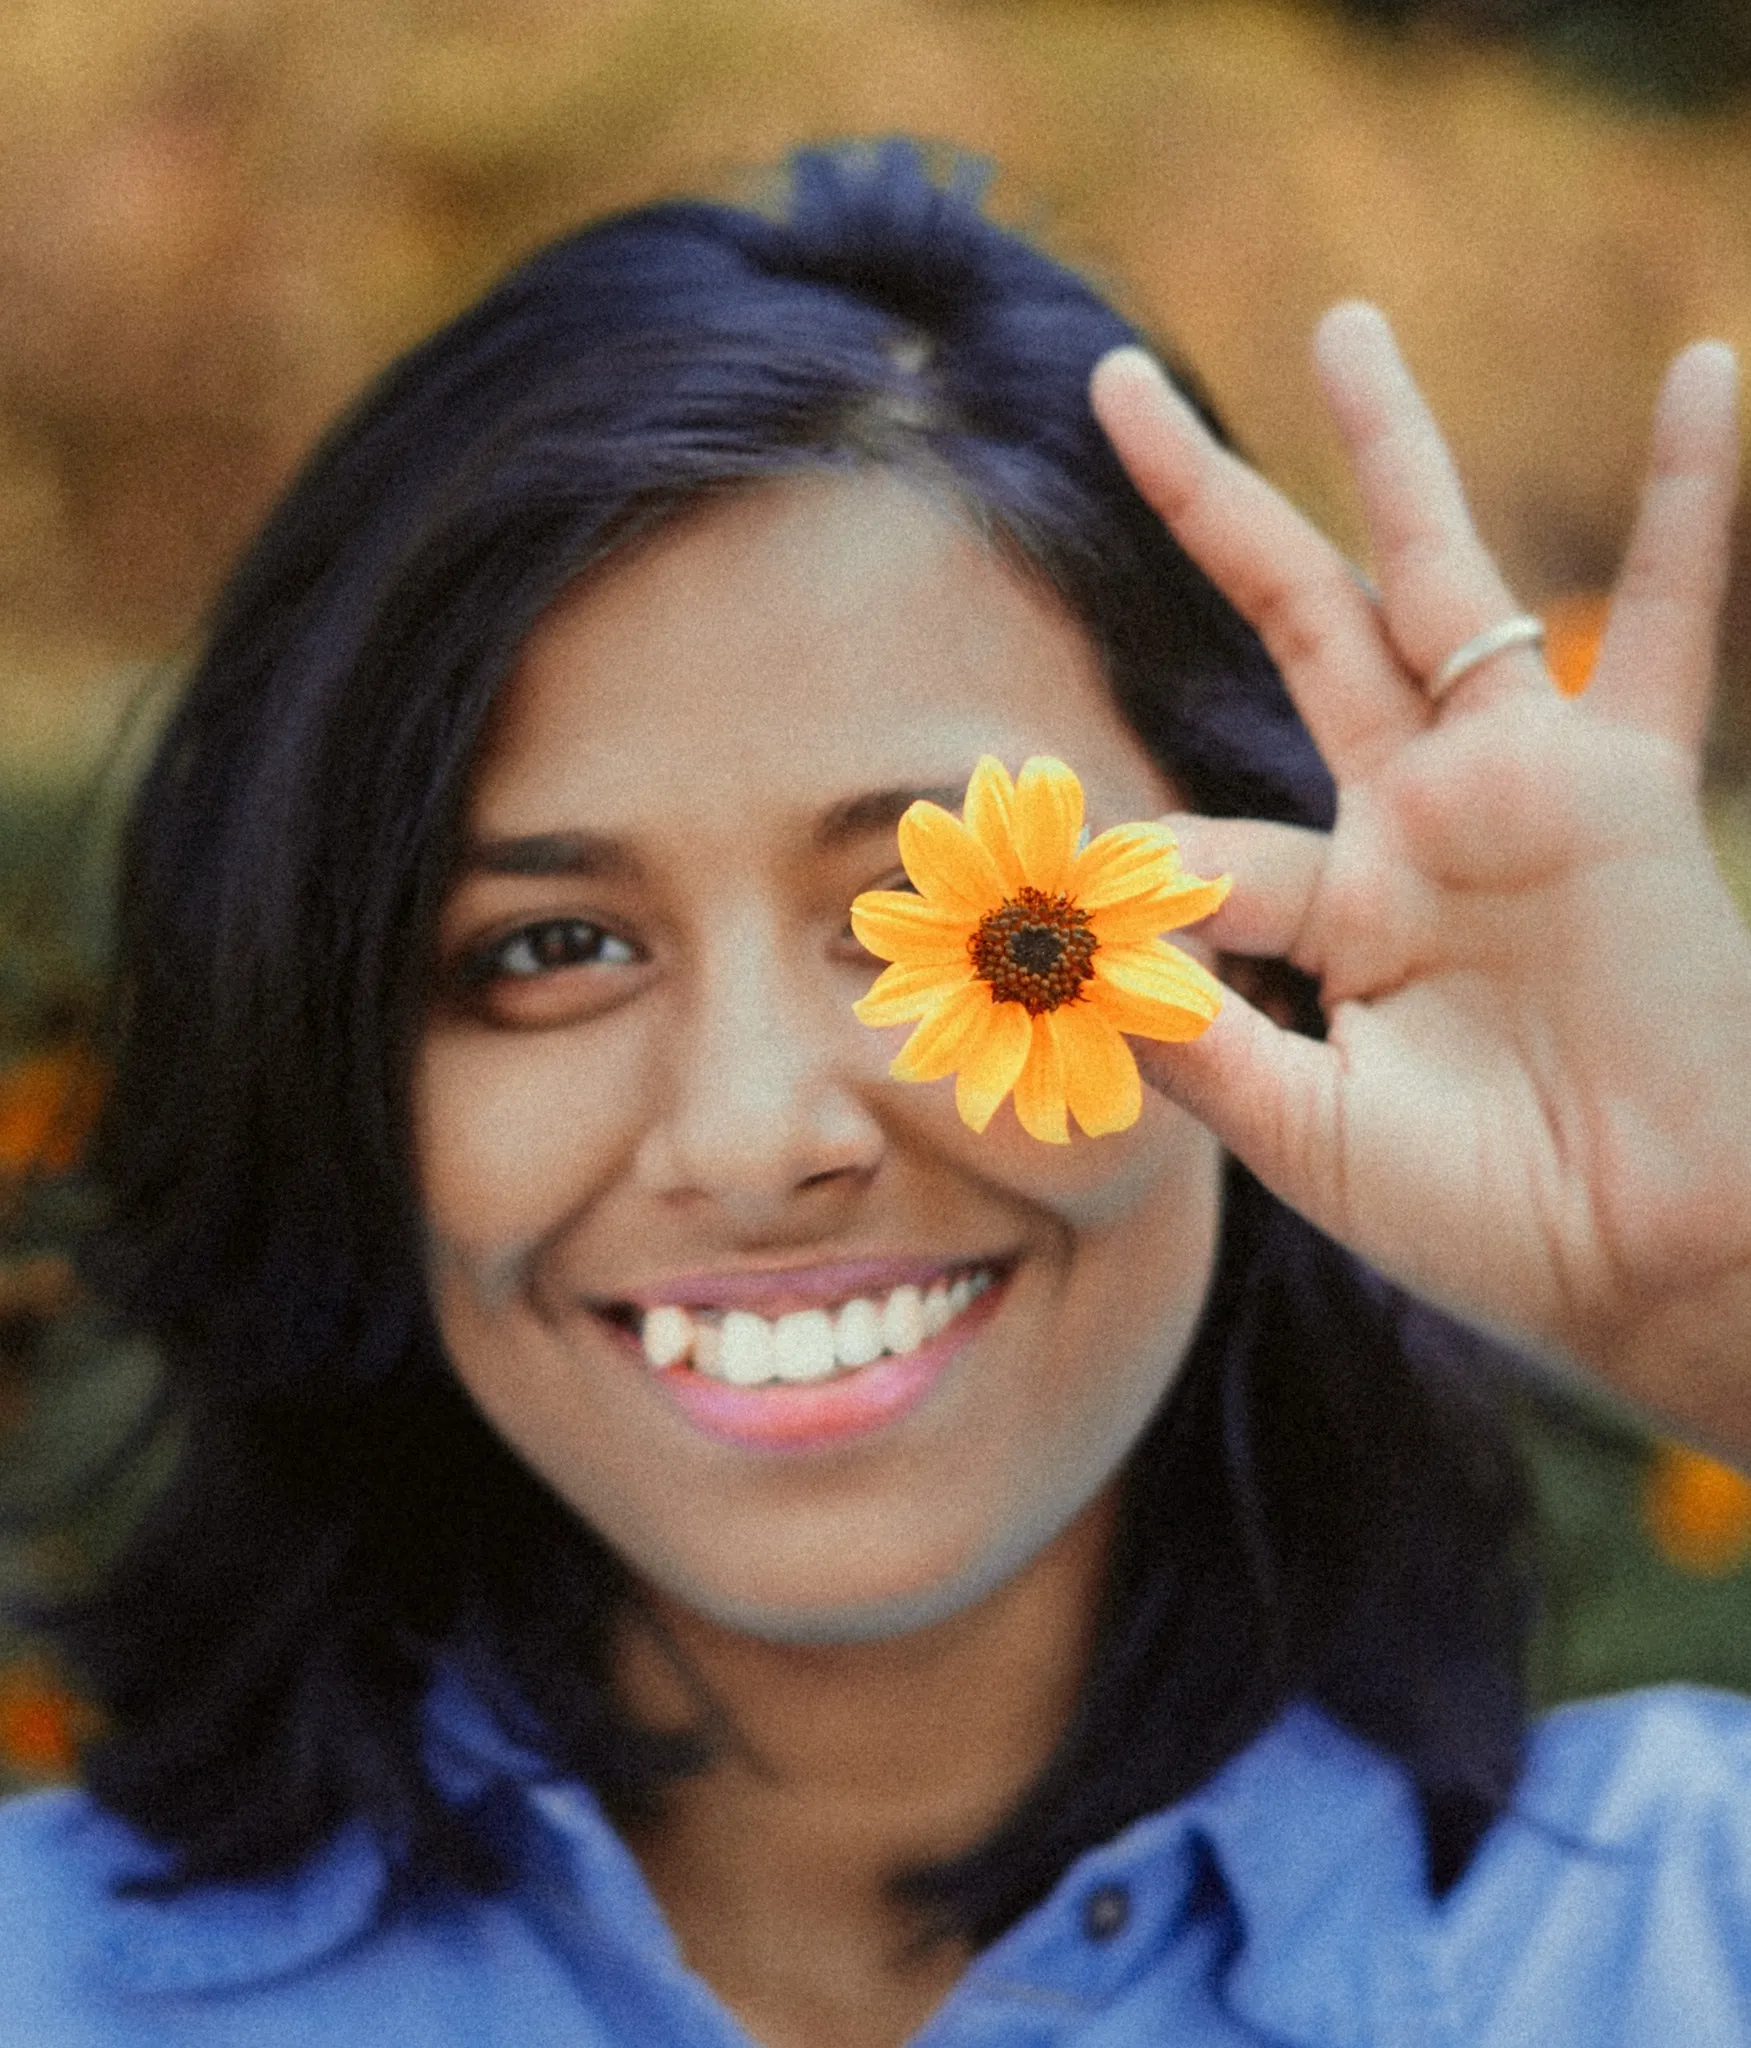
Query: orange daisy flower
[1024,956]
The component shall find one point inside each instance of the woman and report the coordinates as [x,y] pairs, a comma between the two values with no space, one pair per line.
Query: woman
[1134,1657]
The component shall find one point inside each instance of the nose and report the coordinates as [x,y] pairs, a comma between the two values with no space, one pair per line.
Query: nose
[759,1111]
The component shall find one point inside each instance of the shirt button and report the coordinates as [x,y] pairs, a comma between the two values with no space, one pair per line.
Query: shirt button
[1105,1911]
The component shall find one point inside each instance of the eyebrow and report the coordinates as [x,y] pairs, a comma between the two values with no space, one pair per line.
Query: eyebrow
[595,856]
[588,854]
[877,810]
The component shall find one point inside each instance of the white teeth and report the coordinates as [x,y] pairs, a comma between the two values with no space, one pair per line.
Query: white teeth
[748,1350]
[802,1345]
[668,1336]
[857,1333]
[903,1320]
[746,1357]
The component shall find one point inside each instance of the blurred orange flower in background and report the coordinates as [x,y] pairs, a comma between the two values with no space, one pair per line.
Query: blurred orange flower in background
[42,1724]
[1573,628]
[1698,1511]
[48,1104]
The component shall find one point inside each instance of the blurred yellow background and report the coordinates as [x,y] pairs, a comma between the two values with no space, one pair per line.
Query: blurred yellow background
[217,217]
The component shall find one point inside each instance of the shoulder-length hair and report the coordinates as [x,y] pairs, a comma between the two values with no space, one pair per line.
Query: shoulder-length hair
[1319,1509]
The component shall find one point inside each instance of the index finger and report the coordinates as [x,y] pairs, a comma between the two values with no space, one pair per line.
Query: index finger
[1278,570]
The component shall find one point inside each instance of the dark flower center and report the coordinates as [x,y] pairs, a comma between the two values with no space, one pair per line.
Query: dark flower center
[1034,950]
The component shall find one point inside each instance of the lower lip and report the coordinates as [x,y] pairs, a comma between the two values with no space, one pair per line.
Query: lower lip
[852,1404]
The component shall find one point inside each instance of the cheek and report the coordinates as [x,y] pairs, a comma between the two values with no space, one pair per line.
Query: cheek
[1141,1213]
[514,1132]
[1135,1219]
[1096,1185]
[1144,1275]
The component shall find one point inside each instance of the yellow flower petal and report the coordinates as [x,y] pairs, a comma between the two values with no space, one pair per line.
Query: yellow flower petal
[1161,972]
[894,925]
[1162,910]
[1153,990]
[1039,1087]
[988,1073]
[947,864]
[903,993]
[989,812]
[1127,861]
[952,1031]
[1048,821]
[1101,1081]
[1015,838]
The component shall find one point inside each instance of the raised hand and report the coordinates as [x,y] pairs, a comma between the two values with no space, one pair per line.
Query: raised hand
[1534,1102]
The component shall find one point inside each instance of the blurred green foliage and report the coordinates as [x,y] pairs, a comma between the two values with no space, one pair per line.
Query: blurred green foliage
[1682,56]
[1618,1611]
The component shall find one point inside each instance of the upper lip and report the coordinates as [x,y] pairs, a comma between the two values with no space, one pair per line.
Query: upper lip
[780,1290]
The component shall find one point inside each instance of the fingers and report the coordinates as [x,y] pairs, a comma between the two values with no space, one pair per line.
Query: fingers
[1656,663]
[1277,871]
[1358,670]
[1439,586]
[1268,1095]
[1306,602]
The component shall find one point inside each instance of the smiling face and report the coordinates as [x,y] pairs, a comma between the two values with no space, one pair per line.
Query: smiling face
[819,1362]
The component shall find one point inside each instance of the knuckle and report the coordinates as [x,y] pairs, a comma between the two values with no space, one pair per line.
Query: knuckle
[1299,623]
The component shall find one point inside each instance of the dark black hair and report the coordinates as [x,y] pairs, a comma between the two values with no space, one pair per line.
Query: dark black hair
[1321,1508]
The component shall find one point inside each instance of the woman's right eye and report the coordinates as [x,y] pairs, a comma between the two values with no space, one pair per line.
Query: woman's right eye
[544,970]
[554,943]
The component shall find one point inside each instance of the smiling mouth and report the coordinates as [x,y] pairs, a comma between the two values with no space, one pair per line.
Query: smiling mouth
[742,1348]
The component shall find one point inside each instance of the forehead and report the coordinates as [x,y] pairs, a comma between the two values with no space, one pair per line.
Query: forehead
[794,643]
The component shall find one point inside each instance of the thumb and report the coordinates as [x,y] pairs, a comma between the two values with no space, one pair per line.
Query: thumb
[1268,1095]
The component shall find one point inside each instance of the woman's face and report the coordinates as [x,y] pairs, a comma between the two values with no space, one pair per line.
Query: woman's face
[644,1112]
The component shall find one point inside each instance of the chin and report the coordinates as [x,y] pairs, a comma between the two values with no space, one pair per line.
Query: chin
[836,1616]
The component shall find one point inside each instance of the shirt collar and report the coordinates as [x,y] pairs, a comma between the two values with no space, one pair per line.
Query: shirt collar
[212,1937]
[1317,1846]
[215,1937]
[1320,1844]
[1315,1838]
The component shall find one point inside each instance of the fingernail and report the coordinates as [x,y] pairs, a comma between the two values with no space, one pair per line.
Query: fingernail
[1140,367]
[1351,321]
[1134,360]
[1717,358]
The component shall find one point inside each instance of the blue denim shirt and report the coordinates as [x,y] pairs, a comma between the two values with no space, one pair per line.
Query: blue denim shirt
[1281,1903]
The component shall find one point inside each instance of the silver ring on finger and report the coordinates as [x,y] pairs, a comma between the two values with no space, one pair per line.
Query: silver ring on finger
[1522,630]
